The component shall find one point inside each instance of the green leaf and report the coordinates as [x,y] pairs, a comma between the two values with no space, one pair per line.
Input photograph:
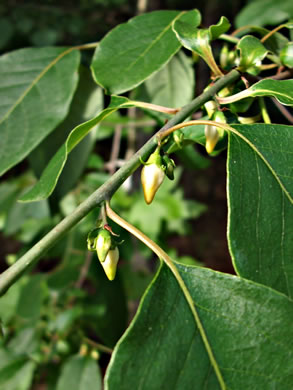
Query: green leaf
[265,12]
[80,373]
[252,52]
[248,327]
[132,51]
[36,89]
[45,186]
[282,90]
[17,375]
[260,199]
[189,36]
[86,104]
[221,27]
[197,40]
[286,55]
[173,86]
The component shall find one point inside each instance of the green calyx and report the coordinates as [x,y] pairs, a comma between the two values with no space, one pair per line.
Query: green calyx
[169,166]
[92,239]
[155,158]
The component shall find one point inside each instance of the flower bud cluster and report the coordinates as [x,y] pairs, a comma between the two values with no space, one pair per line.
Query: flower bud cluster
[101,240]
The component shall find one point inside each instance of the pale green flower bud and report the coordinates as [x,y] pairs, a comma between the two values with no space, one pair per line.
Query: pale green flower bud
[212,137]
[213,133]
[152,175]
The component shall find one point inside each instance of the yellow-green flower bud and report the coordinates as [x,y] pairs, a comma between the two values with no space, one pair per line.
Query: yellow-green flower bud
[152,175]
[110,263]
[103,244]
[212,137]
[213,133]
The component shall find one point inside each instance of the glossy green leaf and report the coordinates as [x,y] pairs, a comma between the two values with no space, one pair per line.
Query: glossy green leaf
[80,373]
[132,51]
[265,12]
[252,52]
[173,86]
[197,40]
[36,89]
[248,327]
[282,90]
[221,27]
[191,37]
[274,43]
[260,198]
[45,186]
[286,55]
[185,27]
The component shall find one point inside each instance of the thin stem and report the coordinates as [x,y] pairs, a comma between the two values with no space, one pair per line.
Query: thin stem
[283,110]
[30,258]
[156,107]
[240,29]
[115,148]
[268,66]
[98,346]
[86,46]
[264,38]
[264,111]
[167,132]
[168,261]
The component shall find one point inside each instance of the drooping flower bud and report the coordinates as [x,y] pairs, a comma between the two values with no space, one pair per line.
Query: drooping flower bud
[213,133]
[152,175]
[110,263]
[212,137]
[103,244]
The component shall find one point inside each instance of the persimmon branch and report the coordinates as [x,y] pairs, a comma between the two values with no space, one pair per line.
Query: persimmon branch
[30,258]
